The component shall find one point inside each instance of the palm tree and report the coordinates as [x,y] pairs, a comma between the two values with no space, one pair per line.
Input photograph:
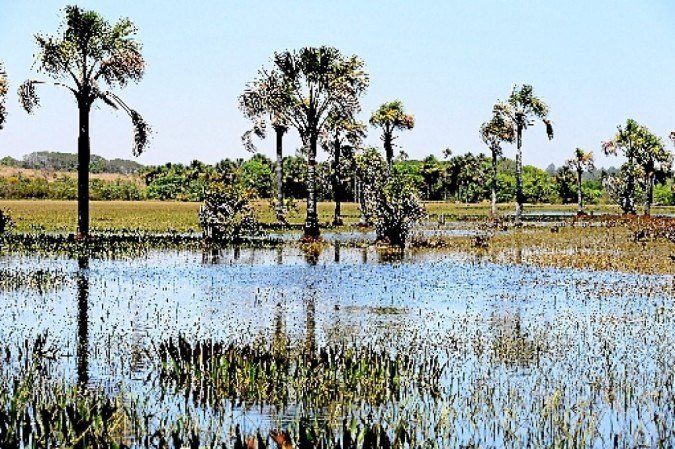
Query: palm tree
[582,161]
[3,95]
[391,117]
[522,109]
[314,84]
[495,132]
[85,56]
[343,135]
[262,101]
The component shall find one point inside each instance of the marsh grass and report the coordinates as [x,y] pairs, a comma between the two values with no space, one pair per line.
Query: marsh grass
[276,374]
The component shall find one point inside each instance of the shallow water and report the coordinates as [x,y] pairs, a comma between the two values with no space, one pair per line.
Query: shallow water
[530,352]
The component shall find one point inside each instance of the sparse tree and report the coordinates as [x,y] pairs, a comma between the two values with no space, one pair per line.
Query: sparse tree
[318,82]
[343,135]
[581,162]
[391,117]
[522,109]
[87,55]
[494,133]
[263,102]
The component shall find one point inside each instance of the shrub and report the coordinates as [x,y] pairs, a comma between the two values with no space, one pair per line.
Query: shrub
[226,215]
[397,209]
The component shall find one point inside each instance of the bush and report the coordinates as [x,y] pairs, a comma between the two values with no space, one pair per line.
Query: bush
[397,209]
[226,215]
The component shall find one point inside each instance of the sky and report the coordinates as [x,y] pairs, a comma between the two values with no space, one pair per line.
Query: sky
[596,63]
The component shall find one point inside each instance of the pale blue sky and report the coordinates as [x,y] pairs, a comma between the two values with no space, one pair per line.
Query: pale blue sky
[595,62]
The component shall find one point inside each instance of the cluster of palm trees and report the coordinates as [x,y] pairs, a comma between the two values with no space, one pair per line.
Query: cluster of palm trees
[315,91]
[509,119]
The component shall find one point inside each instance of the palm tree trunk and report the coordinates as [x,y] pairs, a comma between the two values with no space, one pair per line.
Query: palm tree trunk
[519,175]
[280,176]
[337,216]
[580,194]
[83,160]
[389,152]
[629,206]
[493,206]
[649,197]
[312,219]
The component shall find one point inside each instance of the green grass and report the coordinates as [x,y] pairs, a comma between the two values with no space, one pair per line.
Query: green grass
[162,216]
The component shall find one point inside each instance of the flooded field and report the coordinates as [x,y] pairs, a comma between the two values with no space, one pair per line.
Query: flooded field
[347,348]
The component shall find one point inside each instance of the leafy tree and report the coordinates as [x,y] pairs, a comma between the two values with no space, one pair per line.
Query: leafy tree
[342,136]
[257,174]
[3,95]
[431,172]
[86,55]
[581,162]
[391,117]
[494,133]
[646,158]
[565,179]
[521,110]
[263,101]
[318,82]
[537,185]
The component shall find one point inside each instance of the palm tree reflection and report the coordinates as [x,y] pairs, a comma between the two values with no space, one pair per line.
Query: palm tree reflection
[83,321]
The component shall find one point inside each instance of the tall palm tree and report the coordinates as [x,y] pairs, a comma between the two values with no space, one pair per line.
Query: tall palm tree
[316,83]
[3,95]
[495,132]
[582,161]
[343,135]
[522,109]
[86,55]
[391,117]
[262,101]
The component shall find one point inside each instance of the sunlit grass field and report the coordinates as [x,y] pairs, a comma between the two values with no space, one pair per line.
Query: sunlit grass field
[162,216]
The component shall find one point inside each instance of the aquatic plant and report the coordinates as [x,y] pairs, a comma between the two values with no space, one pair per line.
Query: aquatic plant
[257,374]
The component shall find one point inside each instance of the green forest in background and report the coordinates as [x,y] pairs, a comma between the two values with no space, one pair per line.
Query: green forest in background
[464,178]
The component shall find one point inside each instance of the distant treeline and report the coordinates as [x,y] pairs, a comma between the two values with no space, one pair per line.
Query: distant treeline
[55,161]
[464,178]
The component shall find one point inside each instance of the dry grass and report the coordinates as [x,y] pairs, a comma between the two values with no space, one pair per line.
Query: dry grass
[49,175]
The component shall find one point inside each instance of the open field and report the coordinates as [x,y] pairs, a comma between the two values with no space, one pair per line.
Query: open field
[156,216]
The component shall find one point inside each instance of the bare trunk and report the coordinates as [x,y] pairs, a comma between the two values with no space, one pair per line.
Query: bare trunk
[493,206]
[519,175]
[281,218]
[580,194]
[83,160]
[337,191]
[312,219]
